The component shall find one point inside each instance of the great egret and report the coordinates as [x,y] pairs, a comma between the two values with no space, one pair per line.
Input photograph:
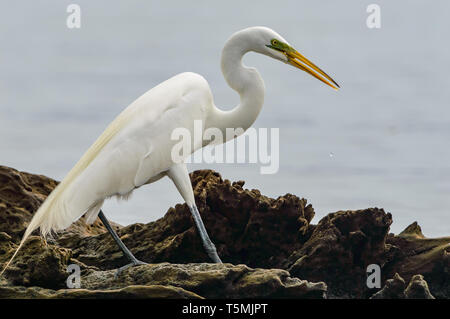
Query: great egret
[135,149]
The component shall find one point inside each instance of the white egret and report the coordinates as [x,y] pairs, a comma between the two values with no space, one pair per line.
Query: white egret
[135,149]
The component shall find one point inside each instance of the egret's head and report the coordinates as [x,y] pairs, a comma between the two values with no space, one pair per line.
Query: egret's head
[270,43]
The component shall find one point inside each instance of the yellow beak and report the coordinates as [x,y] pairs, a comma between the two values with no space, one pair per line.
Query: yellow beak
[299,61]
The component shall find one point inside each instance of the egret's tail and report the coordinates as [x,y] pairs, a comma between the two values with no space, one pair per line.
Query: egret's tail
[34,224]
[54,214]
[51,216]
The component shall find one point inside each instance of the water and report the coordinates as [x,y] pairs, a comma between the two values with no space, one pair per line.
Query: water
[380,141]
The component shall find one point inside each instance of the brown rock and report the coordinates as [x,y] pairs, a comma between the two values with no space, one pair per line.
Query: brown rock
[210,280]
[418,289]
[393,289]
[341,247]
[132,292]
[246,226]
[413,230]
[39,264]
[21,194]
[426,256]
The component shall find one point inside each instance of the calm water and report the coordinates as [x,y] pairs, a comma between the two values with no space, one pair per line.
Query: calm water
[383,140]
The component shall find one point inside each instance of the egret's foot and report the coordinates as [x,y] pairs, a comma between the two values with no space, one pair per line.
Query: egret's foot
[216,258]
[212,253]
[132,264]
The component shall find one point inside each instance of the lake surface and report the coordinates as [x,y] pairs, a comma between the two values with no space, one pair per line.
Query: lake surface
[382,140]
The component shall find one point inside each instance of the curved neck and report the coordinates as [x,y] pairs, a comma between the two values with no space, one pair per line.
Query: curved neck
[246,81]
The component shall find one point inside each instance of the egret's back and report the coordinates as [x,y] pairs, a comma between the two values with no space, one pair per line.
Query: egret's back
[133,148]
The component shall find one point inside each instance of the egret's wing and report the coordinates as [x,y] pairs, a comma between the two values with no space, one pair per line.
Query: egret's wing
[80,191]
[144,167]
[92,213]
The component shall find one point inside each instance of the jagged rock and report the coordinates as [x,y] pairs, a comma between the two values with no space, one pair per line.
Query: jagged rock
[413,230]
[418,289]
[429,257]
[258,223]
[393,289]
[341,247]
[210,280]
[46,266]
[21,194]
[39,264]
[181,281]
[247,227]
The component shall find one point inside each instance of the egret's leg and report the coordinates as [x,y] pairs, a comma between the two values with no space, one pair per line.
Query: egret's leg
[180,176]
[119,242]
[207,243]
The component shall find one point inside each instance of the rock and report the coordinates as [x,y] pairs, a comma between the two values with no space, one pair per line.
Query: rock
[39,264]
[412,230]
[245,226]
[210,280]
[343,244]
[172,238]
[284,254]
[426,256]
[418,289]
[21,194]
[393,289]
[132,292]
[181,281]
[341,247]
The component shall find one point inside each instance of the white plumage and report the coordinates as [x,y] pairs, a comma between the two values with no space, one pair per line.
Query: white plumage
[136,148]
[124,157]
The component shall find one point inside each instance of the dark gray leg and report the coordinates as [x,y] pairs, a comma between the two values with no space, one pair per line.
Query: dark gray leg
[134,261]
[180,176]
[207,243]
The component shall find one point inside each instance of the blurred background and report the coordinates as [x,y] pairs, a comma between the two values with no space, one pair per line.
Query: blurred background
[382,140]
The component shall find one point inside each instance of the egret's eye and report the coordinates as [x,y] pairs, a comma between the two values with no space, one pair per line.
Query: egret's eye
[274,42]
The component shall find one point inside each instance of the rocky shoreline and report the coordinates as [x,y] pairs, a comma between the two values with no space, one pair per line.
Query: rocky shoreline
[269,247]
